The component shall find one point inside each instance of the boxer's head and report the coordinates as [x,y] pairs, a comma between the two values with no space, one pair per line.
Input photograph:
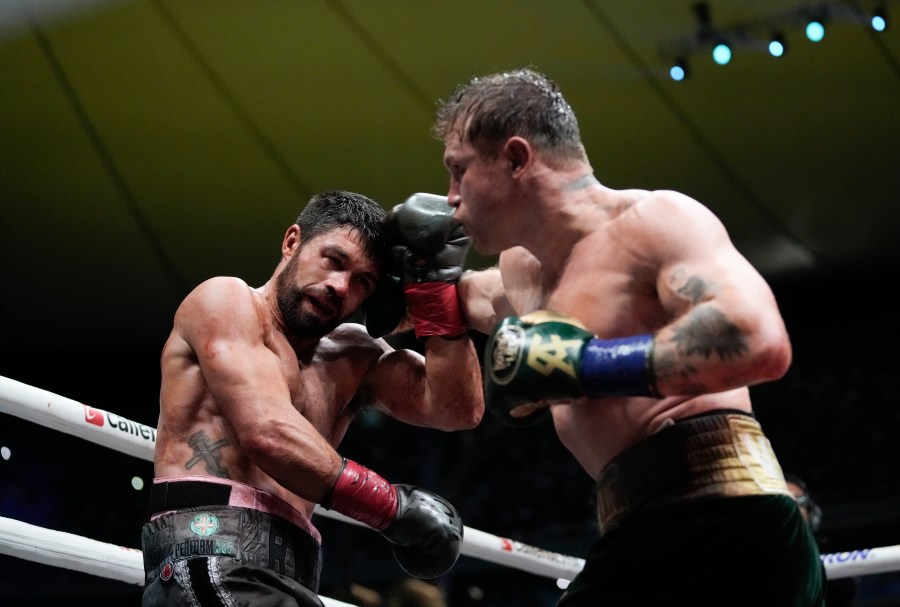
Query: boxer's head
[335,209]
[488,110]
[334,258]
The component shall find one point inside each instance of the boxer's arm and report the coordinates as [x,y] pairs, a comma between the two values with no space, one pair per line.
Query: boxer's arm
[490,295]
[440,390]
[443,389]
[483,299]
[726,329]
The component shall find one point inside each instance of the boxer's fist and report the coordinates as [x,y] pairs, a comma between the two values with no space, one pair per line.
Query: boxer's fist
[531,359]
[544,356]
[430,245]
[426,529]
[446,265]
[430,249]
[427,532]
[423,223]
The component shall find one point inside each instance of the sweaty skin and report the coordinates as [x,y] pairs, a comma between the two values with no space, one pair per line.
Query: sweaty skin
[262,392]
[622,262]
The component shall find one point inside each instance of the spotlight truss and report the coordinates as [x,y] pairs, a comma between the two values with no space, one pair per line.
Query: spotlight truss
[767,34]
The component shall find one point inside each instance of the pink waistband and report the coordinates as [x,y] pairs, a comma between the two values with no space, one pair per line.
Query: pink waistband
[245,496]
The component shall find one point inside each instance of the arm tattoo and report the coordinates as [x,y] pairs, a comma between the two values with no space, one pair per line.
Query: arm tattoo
[694,289]
[707,331]
[208,453]
[703,332]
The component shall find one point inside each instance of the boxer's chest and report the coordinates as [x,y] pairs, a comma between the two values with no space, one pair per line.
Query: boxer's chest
[324,394]
[608,290]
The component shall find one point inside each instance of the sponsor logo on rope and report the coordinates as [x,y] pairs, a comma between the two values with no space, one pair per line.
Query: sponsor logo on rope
[92,416]
[846,557]
[100,418]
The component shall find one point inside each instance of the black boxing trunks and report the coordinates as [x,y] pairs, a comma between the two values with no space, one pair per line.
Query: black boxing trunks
[217,542]
[699,514]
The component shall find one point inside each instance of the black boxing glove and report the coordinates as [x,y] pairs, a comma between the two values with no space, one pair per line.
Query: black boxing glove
[385,309]
[426,529]
[430,251]
[427,532]
[423,222]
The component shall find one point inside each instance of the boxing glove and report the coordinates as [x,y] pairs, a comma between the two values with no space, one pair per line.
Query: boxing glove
[430,248]
[426,221]
[426,529]
[427,532]
[385,309]
[423,222]
[545,356]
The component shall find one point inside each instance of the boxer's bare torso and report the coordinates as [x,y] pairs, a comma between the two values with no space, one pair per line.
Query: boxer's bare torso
[612,273]
[195,436]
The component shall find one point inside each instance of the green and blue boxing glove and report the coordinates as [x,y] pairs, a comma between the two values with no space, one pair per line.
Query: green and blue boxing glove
[546,356]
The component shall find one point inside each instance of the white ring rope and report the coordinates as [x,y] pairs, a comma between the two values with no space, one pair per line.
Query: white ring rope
[121,434]
[77,553]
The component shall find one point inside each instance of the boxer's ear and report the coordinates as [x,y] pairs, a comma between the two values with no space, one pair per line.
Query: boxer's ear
[518,152]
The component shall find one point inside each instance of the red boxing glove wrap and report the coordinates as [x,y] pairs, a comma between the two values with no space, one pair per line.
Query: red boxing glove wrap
[364,496]
[434,307]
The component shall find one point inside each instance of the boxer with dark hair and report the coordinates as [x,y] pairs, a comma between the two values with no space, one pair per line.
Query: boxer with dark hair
[630,318]
[259,386]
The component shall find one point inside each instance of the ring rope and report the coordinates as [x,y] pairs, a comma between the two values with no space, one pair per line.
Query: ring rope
[121,434]
[77,553]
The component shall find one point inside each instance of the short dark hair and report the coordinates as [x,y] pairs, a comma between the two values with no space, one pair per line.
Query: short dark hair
[333,209]
[489,109]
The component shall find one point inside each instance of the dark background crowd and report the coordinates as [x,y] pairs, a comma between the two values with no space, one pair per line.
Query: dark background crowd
[833,420]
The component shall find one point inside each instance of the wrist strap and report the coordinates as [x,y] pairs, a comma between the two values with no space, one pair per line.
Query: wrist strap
[619,367]
[364,496]
[434,307]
